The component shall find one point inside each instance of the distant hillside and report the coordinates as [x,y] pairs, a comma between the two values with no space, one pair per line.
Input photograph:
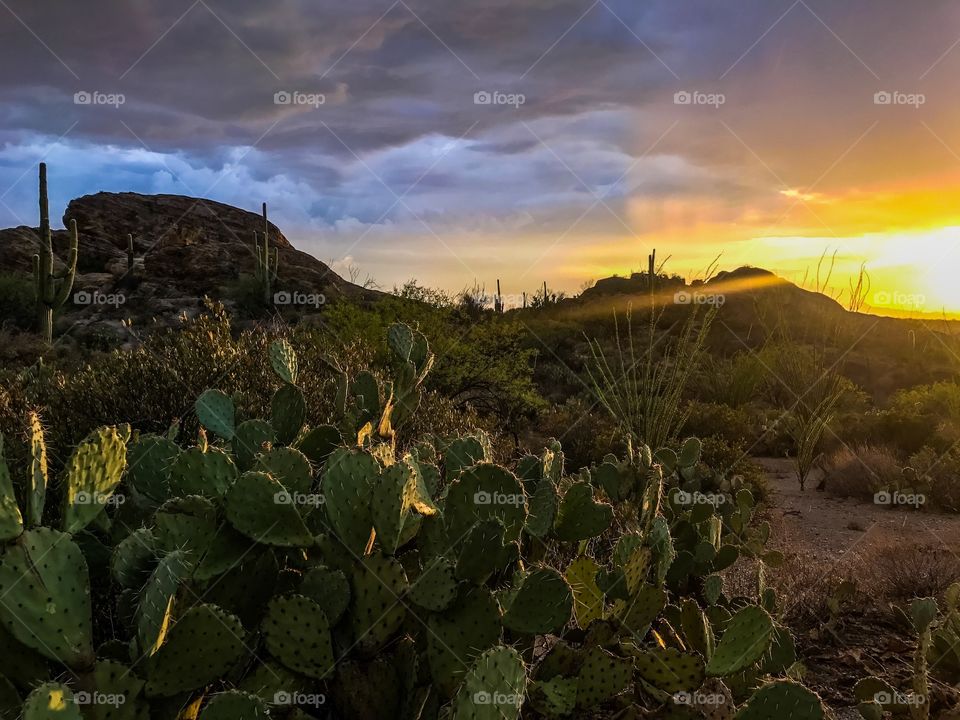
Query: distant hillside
[184,249]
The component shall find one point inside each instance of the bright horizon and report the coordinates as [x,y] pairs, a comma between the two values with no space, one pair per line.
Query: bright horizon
[530,141]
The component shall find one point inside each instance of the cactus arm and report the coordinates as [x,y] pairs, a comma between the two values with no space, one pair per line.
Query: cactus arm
[69,272]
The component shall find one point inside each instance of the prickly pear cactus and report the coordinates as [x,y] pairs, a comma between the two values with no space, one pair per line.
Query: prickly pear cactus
[602,676]
[155,611]
[460,634]
[249,440]
[199,472]
[669,670]
[485,492]
[235,705]
[283,359]
[216,413]
[543,510]
[117,694]
[579,517]
[782,699]
[93,473]
[51,701]
[348,481]
[203,644]
[289,466]
[494,688]
[47,597]
[329,589]
[587,597]
[296,633]
[540,604]
[744,641]
[11,521]
[149,461]
[376,612]
[436,586]
[37,489]
[260,508]
[288,412]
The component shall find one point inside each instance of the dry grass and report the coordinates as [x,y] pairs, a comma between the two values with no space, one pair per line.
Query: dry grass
[861,471]
[896,572]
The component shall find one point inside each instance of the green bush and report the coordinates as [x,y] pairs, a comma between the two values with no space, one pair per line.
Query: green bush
[17,301]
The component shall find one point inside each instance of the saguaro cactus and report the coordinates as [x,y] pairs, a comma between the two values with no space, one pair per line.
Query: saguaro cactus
[129,253]
[52,289]
[267,263]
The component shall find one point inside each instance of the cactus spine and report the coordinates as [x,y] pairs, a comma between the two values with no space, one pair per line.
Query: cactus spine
[267,263]
[52,289]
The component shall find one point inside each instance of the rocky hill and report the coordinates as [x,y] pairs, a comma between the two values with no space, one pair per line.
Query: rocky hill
[184,249]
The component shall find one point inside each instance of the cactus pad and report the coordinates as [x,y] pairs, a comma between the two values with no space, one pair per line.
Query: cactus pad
[149,461]
[283,360]
[460,453]
[196,472]
[114,682]
[485,492]
[46,603]
[782,699]
[318,443]
[185,523]
[155,610]
[579,517]
[235,705]
[587,598]
[376,612]
[481,552]
[543,510]
[494,688]
[249,440]
[348,481]
[669,670]
[11,521]
[395,493]
[93,473]
[289,466]
[329,589]
[744,641]
[257,506]
[216,413]
[288,410]
[555,697]
[602,676]
[200,647]
[297,634]
[461,633]
[436,587]
[51,701]
[540,604]
[37,489]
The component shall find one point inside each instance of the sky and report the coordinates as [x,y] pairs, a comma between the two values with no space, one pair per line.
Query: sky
[525,140]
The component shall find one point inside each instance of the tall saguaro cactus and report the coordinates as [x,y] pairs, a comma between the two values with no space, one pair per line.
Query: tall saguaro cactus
[52,289]
[267,263]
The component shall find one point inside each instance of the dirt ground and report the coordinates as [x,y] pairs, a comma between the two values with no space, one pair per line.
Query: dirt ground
[837,536]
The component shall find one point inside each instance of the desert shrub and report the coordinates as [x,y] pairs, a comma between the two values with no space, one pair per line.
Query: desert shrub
[816,589]
[731,381]
[939,477]
[587,435]
[930,412]
[733,424]
[730,459]
[17,301]
[861,471]
[898,571]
